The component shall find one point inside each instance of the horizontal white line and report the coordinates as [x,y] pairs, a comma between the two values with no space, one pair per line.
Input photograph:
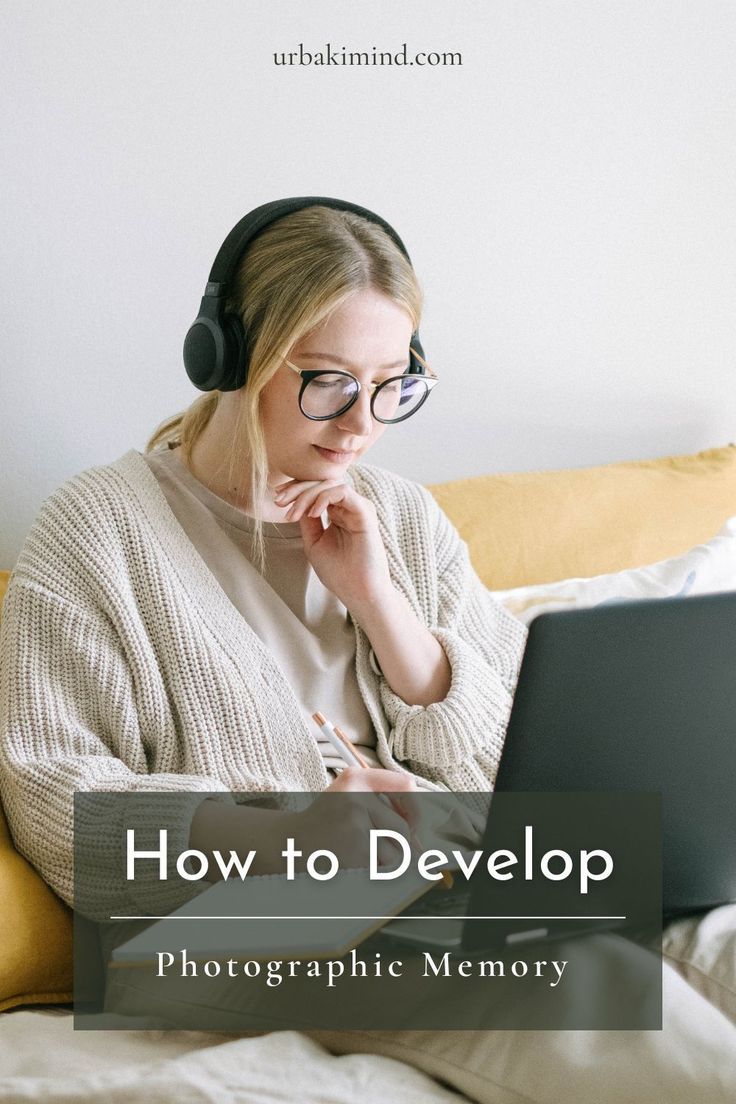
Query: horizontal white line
[401,917]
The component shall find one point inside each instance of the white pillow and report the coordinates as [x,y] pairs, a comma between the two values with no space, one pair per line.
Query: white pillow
[703,949]
[705,569]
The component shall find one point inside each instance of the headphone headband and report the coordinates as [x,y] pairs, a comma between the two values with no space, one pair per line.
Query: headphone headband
[216,354]
[252,224]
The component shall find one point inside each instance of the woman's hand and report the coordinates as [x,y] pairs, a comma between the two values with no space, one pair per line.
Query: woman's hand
[350,560]
[348,556]
[372,780]
[343,824]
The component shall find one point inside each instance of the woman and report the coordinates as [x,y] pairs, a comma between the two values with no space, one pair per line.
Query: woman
[191,669]
[176,617]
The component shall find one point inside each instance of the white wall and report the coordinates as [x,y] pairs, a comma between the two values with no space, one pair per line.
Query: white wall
[566,196]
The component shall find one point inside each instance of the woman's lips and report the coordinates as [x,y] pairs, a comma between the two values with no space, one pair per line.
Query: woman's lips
[335,456]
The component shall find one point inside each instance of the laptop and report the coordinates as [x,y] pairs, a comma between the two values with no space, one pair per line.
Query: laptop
[628,696]
[632,696]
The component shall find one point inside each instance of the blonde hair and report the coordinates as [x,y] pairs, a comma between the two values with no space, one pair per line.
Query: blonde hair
[290,278]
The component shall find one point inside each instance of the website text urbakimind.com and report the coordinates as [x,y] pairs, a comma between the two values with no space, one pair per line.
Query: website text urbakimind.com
[333,55]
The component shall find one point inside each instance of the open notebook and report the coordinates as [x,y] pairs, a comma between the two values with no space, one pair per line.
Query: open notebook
[267,916]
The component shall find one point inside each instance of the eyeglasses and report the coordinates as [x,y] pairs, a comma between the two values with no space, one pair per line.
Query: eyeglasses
[325,395]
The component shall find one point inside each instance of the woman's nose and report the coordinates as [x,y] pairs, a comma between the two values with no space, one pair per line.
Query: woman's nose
[358,419]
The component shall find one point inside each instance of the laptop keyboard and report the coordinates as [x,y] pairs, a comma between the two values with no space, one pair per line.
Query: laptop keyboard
[440,903]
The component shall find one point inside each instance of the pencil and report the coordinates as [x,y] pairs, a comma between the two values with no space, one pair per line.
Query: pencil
[344,746]
[351,747]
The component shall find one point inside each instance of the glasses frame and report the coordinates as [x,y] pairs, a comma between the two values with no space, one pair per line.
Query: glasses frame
[308,374]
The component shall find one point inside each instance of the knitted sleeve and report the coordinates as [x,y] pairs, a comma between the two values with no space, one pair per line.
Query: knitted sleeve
[68,722]
[458,741]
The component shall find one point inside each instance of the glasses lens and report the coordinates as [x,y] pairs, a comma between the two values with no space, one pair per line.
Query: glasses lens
[327,394]
[399,398]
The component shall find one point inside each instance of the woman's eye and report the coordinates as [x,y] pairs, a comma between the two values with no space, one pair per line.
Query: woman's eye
[325,384]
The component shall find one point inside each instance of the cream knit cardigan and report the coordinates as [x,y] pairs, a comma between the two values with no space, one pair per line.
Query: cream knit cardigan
[124,666]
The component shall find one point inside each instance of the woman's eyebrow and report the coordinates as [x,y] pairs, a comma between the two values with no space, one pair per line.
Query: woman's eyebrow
[346,363]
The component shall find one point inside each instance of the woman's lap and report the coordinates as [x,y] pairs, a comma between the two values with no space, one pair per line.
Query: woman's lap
[692,1059]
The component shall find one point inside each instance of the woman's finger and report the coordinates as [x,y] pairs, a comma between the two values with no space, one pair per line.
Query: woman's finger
[409,807]
[289,492]
[326,498]
[303,503]
[312,531]
[378,779]
[293,487]
[390,780]
[383,815]
[389,854]
[349,510]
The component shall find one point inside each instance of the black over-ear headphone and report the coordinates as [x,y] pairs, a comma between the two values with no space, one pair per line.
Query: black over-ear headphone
[216,354]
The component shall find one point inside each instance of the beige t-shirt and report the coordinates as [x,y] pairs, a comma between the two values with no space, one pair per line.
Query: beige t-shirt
[305,627]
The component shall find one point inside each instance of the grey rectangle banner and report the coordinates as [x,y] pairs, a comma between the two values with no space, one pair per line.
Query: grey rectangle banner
[362,911]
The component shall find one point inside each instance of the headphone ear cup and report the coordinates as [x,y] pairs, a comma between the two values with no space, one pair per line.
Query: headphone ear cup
[203,352]
[216,353]
[236,355]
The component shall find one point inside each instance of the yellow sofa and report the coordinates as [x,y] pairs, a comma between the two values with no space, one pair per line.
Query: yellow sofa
[529,527]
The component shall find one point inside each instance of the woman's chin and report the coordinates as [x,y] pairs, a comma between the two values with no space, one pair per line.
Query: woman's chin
[316,464]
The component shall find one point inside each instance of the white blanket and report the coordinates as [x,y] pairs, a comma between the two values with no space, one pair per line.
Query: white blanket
[43,1059]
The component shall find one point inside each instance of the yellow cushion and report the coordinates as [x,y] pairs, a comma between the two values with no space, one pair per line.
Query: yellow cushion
[35,934]
[537,527]
[35,926]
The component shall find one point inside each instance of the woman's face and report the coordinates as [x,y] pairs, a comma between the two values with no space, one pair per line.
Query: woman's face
[367,336]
